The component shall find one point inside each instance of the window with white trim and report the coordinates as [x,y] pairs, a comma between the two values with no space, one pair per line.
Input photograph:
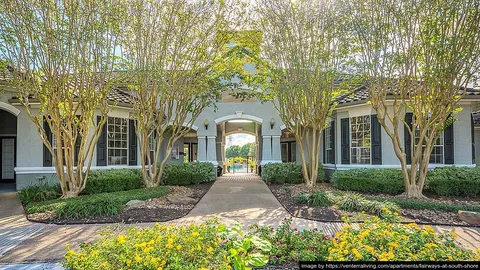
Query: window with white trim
[117,136]
[328,143]
[360,139]
[436,157]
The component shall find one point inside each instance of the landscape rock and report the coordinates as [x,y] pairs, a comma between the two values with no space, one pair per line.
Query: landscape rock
[134,203]
[180,199]
[469,217]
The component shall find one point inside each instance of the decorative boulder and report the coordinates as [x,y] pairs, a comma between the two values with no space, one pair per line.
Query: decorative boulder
[133,203]
[469,217]
[180,199]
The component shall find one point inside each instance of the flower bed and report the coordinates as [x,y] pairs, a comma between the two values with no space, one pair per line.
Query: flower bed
[324,203]
[214,246]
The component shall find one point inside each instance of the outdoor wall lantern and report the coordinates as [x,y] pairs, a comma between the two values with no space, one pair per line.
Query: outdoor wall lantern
[205,123]
[272,123]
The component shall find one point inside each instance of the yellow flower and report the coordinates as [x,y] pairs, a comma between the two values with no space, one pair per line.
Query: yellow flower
[179,247]
[70,252]
[356,254]
[138,258]
[199,247]
[159,238]
[195,234]
[202,268]
[121,239]
[345,252]
[370,249]
[169,246]
[454,234]
[478,250]
[147,250]
[159,268]
[210,250]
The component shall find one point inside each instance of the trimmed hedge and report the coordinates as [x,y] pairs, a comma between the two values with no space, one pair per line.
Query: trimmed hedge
[113,180]
[289,173]
[387,181]
[103,204]
[454,181]
[189,173]
[421,205]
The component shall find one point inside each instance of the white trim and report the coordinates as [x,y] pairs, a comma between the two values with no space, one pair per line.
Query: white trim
[242,132]
[40,170]
[369,166]
[235,117]
[211,137]
[8,107]
[275,136]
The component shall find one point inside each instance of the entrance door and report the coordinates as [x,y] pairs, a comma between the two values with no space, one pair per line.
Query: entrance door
[8,158]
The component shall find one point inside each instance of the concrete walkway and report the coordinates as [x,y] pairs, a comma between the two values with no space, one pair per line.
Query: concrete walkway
[240,197]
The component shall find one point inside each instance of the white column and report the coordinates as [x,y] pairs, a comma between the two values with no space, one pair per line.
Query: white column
[276,149]
[266,149]
[202,149]
[212,150]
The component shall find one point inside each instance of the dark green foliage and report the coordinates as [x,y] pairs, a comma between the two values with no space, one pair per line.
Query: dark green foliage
[112,180]
[42,192]
[420,205]
[103,204]
[287,173]
[302,198]
[189,173]
[355,202]
[454,181]
[388,181]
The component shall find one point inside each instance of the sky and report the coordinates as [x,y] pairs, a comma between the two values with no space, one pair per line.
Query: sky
[239,139]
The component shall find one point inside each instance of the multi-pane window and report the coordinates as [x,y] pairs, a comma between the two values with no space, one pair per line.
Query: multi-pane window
[360,139]
[117,130]
[288,151]
[328,144]
[437,148]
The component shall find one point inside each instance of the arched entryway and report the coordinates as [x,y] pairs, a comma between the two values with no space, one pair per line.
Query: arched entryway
[231,125]
[8,148]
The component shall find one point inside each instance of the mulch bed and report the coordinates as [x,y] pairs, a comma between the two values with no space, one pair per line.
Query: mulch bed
[332,214]
[161,209]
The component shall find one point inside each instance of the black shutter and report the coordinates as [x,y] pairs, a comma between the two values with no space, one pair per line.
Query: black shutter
[324,148]
[102,145]
[407,138]
[345,136]
[132,143]
[376,142]
[154,134]
[47,156]
[448,145]
[472,130]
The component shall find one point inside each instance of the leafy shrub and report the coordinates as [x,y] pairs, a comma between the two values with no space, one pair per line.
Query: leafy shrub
[454,181]
[287,173]
[159,247]
[38,193]
[378,240]
[103,204]
[113,180]
[189,173]
[388,181]
[281,173]
[317,198]
[291,245]
[355,202]
[420,205]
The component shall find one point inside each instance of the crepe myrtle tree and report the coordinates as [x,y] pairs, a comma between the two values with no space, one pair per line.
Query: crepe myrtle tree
[61,54]
[304,47]
[417,56]
[174,48]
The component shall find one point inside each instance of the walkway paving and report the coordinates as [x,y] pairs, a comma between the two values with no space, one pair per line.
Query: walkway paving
[239,197]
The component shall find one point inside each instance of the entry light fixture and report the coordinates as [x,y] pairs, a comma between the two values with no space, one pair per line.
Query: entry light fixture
[205,123]
[272,123]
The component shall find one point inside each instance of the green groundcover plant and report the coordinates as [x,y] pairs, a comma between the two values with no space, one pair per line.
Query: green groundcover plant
[212,245]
